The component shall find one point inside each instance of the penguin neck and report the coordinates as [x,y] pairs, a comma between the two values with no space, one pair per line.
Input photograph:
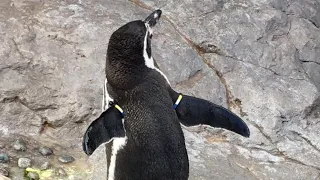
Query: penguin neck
[126,73]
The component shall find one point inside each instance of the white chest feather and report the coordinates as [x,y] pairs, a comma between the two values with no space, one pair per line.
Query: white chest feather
[118,143]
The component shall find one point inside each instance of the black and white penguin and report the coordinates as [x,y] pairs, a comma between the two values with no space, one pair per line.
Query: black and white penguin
[141,128]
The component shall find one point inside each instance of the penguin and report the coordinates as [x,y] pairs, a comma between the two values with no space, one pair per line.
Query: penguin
[142,115]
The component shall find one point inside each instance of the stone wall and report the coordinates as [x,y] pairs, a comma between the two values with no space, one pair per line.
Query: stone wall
[259,58]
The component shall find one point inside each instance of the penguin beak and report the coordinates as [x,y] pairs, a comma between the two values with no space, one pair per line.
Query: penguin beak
[153,18]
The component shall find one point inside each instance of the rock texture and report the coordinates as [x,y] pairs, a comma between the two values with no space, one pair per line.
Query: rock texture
[258,58]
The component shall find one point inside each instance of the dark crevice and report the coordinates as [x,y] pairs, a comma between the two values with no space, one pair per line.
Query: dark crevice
[26,104]
[6,67]
[304,61]
[299,162]
[195,74]
[306,140]
[82,119]
[21,68]
[45,125]
[237,103]
[313,110]
[262,132]
[17,49]
[297,59]
[191,80]
[9,99]
[314,23]
[207,48]
[310,143]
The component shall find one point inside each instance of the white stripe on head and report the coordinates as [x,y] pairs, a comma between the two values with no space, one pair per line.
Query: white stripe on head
[149,61]
[106,97]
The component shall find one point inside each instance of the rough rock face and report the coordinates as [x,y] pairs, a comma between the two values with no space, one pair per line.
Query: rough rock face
[259,58]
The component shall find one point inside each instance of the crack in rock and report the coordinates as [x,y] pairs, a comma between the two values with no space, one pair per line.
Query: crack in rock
[45,122]
[279,154]
[26,104]
[46,125]
[192,80]
[313,109]
[299,162]
[16,46]
[306,140]
[304,61]
[194,46]
[229,96]
[141,4]
[202,49]
[248,169]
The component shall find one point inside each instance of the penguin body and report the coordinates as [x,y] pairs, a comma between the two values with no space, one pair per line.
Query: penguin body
[141,127]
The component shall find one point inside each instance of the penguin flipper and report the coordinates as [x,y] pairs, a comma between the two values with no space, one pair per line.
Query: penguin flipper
[107,126]
[193,111]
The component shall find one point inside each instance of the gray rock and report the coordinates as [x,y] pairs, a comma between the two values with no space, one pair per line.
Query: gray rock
[4,172]
[260,59]
[24,162]
[45,166]
[4,158]
[60,172]
[20,145]
[33,176]
[66,159]
[45,151]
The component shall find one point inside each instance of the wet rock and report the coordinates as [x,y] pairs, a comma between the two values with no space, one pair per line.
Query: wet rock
[20,145]
[4,172]
[33,176]
[24,162]
[4,158]
[45,151]
[45,165]
[66,159]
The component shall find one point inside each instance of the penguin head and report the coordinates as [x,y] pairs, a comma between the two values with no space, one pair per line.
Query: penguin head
[132,42]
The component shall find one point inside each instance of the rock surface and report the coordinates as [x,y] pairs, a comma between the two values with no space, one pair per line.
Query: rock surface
[45,151]
[66,159]
[33,176]
[24,162]
[4,158]
[20,145]
[258,58]
[45,166]
[4,172]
